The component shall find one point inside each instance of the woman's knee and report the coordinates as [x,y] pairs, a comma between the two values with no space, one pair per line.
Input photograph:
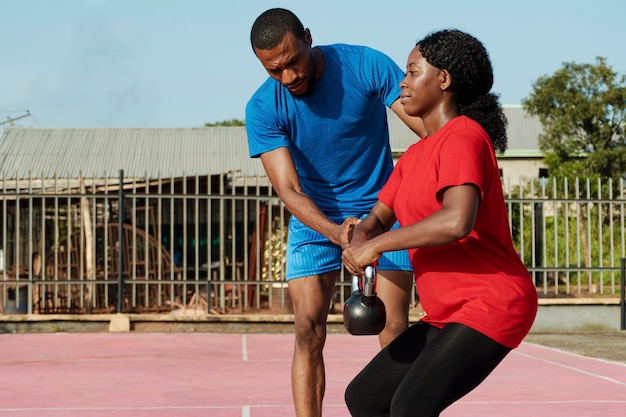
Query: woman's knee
[357,402]
[416,400]
[350,397]
[400,408]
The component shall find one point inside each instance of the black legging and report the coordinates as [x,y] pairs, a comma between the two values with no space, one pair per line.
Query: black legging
[423,371]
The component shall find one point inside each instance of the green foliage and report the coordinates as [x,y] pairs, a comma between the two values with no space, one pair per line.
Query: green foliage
[583,111]
[229,122]
[558,226]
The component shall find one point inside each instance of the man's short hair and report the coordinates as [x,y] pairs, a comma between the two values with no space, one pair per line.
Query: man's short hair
[271,26]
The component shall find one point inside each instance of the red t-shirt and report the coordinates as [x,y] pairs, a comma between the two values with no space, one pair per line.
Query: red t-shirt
[478,281]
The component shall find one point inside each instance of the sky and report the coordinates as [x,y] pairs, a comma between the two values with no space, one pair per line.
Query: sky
[184,63]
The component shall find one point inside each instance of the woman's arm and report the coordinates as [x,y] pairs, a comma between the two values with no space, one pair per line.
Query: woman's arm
[454,221]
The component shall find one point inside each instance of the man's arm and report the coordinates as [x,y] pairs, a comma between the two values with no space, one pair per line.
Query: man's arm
[414,123]
[282,173]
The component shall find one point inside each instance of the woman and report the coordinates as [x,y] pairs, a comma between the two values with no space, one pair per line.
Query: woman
[446,193]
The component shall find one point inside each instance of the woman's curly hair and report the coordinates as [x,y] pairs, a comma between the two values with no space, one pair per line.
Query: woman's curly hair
[468,63]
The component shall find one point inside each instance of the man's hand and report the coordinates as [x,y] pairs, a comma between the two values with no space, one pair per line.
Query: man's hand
[345,231]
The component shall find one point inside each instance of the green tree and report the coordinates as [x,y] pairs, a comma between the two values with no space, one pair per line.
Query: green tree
[230,122]
[582,108]
[583,111]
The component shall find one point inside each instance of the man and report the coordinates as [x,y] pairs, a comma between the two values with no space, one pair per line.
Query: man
[319,125]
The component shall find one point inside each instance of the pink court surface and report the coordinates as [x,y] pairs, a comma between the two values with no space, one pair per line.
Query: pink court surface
[248,375]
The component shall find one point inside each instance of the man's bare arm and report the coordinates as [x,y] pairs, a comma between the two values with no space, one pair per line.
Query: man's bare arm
[414,123]
[281,171]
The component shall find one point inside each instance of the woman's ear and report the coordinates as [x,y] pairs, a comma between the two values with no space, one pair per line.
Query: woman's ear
[445,80]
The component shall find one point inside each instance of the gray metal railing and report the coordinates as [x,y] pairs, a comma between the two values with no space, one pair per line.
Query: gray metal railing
[216,242]
[571,237]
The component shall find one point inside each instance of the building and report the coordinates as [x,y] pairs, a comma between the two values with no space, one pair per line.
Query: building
[46,153]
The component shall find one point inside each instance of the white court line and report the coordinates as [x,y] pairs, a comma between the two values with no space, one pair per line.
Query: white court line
[571,368]
[545,402]
[244,348]
[246,409]
[565,352]
[172,407]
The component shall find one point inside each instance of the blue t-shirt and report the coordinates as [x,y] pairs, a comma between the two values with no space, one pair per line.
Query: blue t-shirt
[337,135]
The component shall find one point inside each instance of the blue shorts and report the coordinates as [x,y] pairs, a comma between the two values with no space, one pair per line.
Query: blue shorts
[310,253]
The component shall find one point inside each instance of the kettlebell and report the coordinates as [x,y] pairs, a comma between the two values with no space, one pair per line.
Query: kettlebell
[364,313]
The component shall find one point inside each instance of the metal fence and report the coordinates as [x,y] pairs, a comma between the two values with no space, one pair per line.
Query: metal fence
[570,234]
[216,243]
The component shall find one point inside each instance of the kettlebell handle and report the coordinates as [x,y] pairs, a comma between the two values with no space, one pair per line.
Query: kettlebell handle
[369,281]
[365,284]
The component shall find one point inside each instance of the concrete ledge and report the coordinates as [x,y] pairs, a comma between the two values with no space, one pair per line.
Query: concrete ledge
[222,323]
[555,314]
[578,301]
[165,318]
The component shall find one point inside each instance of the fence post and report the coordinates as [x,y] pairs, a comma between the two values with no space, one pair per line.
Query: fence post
[120,243]
[622,302]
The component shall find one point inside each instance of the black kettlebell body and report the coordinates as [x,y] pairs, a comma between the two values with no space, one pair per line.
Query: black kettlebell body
[364,313]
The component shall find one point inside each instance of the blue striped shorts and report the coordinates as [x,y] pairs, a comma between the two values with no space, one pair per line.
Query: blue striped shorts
[310,253]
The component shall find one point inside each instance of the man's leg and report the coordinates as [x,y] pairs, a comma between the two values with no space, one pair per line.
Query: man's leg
[311,301]
[394,289]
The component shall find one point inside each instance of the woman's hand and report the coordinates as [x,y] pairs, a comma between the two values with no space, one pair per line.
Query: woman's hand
[356,256]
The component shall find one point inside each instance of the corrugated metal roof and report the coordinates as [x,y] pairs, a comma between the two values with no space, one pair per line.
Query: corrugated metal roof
[400,136]
[165,152]
[43,152]
[523,132]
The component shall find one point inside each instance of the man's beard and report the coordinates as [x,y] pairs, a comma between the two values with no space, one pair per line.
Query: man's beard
[311,79]
[310,89]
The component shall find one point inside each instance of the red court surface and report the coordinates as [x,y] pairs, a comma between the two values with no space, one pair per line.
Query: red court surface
[248,375]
